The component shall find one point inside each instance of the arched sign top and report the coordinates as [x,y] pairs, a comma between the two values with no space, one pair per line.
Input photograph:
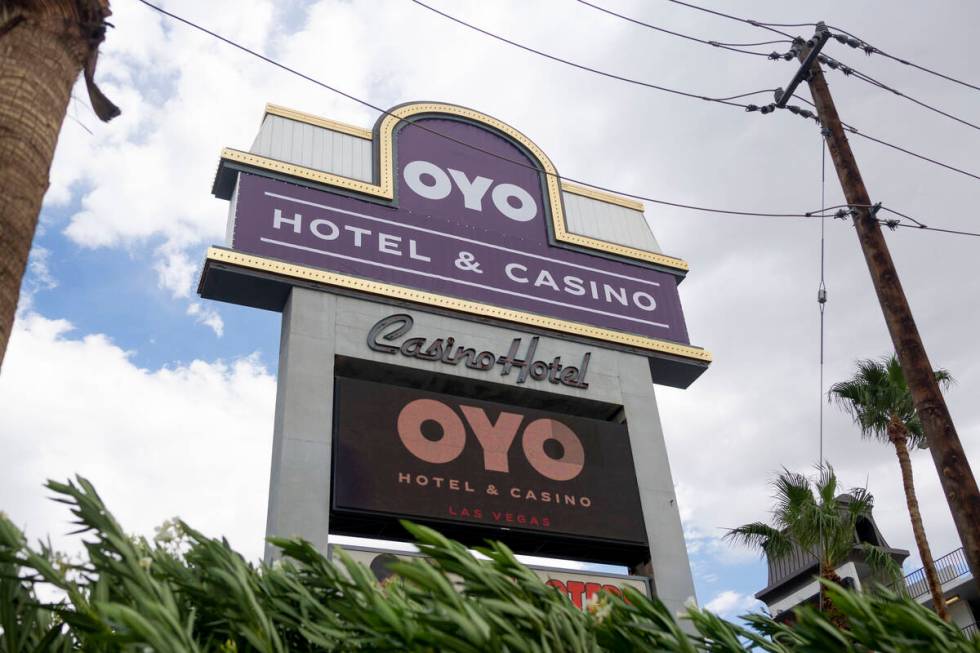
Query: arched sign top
[473,181]
[383,186]
[535,157]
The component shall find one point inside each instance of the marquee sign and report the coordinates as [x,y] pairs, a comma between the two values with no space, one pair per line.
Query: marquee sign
[418,266]
[463,460]
[465,213]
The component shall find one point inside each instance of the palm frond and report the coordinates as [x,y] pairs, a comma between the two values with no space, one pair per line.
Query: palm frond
[944,378]
[827,485]
[861,397]
[882,563]
[791,498]
[758,535]
[861,503]
[877,392]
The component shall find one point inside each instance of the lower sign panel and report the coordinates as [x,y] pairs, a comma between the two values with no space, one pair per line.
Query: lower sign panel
[581,587]
[415,454]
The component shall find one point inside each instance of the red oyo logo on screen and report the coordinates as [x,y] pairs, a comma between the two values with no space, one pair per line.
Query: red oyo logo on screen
[495,437]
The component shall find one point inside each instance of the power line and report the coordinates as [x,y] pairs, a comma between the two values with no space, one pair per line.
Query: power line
[857,132]
[907,217]
[851,211]
[911,153]
[734,47]
[573,64]
[385,112]
[892,225]
[854,41]
[727,101]
[835,64]
[847,38]
[747,21]
[859,43]
[750,93]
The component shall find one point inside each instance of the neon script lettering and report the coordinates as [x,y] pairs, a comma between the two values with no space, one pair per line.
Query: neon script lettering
[446,350]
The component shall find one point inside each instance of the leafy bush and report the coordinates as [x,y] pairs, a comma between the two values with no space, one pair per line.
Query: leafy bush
[187,592]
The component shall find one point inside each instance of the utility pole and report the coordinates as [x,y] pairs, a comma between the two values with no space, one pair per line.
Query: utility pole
[955,475]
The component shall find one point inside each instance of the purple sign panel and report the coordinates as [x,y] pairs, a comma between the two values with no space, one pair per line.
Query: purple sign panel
[466,223]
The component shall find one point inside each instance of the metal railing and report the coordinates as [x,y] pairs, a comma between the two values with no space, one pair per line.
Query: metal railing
[971,631]
[949,567]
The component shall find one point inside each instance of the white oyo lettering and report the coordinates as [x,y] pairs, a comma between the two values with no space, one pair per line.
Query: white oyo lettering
[527,208]
[473,191]
[437,190]
[430,181]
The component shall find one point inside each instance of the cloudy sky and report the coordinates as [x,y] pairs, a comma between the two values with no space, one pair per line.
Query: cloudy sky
[118,371]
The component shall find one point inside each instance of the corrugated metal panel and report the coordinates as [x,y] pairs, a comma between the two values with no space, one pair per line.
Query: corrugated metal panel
[793,563]
[615,224]
[314,147]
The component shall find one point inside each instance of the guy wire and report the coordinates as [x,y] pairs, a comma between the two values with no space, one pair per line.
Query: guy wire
[821,301]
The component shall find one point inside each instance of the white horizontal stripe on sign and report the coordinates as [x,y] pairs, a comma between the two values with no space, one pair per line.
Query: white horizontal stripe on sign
[460,238]
[460,281]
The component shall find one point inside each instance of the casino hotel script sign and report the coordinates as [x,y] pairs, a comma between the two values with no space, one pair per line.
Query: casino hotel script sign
[436,456]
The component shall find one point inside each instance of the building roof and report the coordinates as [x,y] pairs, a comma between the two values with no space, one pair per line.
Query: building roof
[799,566]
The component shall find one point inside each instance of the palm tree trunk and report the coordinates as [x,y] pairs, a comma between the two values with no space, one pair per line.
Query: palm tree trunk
[897,435]
[832,612]
[44,45]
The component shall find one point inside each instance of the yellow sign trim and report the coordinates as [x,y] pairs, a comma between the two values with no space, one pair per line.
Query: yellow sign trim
[602,196]
[293,170]
[475,308]
[385,186]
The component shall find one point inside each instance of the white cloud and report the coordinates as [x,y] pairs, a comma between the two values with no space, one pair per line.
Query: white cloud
[39,271]
[192,440]
[732,604]
[208,316]
[176,271]
[38,277]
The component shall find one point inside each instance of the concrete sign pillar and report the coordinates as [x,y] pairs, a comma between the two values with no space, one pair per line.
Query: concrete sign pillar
[299,490]
[318,326]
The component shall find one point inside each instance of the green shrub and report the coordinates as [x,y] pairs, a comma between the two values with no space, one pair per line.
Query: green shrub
[187,592]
